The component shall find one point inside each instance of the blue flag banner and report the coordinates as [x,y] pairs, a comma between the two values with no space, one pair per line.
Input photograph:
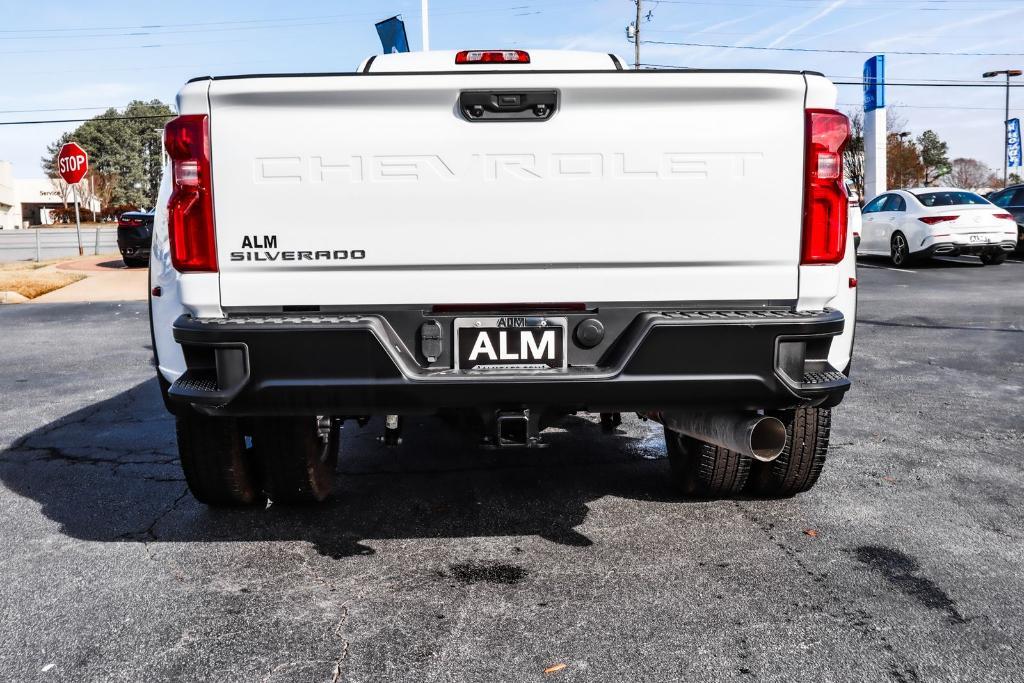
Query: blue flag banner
[874,83]
[1013,155]
[392,35]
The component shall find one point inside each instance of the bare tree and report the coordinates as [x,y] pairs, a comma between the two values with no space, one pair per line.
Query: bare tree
[968,173]
[853,156]
[61,188]
[895,122]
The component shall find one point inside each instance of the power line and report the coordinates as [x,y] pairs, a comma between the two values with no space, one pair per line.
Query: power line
[97,118]
[33,111]
[871,8]
[923,106]
[923,83]
[931,85]
[837,51]
[161,29]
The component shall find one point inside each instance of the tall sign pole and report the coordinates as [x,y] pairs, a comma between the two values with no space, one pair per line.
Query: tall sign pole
[72,165]
[425,13]
[78,220]
[1006,134]
[874,128]
[1009,73]
[636,34]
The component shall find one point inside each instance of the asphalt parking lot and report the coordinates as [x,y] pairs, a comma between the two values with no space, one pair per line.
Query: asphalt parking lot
[440,561]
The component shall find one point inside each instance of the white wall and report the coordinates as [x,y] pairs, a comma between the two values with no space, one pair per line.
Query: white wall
[10,208]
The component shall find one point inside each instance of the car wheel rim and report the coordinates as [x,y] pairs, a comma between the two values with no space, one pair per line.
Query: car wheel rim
[897,249]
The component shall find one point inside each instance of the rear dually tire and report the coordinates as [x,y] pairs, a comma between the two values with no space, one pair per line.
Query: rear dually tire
[219,470]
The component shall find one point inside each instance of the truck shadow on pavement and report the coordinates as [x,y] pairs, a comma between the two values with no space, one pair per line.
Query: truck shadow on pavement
[109,472]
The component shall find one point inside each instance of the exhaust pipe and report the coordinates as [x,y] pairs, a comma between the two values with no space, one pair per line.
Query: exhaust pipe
[759,436]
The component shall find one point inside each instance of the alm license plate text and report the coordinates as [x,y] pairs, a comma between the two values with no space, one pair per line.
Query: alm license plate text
[510,342]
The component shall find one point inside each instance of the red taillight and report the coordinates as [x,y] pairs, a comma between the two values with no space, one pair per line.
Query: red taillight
[1005,216]
[932,220]
[129,222]
[493,57]
[825,198]
[190,208]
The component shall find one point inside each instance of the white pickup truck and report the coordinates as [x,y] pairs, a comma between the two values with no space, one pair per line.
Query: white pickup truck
[508,235]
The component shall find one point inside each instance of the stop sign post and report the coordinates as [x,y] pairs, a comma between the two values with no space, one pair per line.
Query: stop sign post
[72,165]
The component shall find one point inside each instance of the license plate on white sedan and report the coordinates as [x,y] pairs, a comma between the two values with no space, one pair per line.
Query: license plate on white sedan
[510,343]
[978,238]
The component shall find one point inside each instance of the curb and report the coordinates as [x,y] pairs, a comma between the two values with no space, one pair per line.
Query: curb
[7,297]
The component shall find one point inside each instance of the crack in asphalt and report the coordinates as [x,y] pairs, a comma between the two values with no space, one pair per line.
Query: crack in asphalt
[339,664]
[148,535]
[339,631]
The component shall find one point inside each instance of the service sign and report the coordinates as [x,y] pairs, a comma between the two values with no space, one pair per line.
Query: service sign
[1013,151]
[72,163]
[874,83]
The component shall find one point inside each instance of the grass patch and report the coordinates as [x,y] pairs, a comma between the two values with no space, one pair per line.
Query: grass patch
[30,283]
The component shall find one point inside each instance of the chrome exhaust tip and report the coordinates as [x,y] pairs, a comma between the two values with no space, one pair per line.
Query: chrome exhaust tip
[761,437]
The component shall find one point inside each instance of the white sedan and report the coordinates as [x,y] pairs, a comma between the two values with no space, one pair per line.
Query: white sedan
[930,221]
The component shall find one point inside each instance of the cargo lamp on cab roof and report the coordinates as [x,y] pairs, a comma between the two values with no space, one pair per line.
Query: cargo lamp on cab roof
[492,57]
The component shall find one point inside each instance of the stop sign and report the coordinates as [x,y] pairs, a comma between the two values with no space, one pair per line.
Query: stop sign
[72,163]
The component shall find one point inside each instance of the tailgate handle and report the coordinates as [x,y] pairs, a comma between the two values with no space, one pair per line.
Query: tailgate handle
[508,105]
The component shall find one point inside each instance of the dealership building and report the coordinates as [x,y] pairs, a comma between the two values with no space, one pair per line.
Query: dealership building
[26,202]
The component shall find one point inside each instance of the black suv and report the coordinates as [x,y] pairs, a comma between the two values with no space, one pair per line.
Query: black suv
[1012,199]
[134,236]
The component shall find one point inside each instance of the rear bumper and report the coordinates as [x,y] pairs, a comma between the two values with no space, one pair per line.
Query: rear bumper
[134,247]
[360,365]
[961,249]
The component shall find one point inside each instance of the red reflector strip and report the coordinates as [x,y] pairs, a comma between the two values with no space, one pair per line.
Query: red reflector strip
[492,57]
[932,220]
[853,282]
[506,308]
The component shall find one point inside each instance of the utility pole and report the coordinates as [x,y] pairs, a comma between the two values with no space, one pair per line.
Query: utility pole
[1009,73]
[636,33]
[425,23]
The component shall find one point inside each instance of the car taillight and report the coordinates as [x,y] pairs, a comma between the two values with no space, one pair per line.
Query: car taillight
[190,208]
[825,198]
[492,57]
[1005,216]
[129,222]
[932,220]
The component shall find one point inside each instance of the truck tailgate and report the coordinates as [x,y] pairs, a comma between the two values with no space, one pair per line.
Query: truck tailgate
[374,189]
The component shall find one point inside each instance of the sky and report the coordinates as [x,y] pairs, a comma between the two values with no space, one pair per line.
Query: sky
[62,60]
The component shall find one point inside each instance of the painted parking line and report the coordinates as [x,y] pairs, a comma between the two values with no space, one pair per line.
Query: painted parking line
[895,270]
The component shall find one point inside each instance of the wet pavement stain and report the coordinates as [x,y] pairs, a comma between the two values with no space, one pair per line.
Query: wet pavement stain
[900,570]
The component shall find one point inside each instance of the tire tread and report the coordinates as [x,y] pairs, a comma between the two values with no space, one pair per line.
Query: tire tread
[217,468]
[293,473]
[801,462]
[706,470]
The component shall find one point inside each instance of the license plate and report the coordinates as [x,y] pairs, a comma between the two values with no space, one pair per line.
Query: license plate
[978,238]
[510,343]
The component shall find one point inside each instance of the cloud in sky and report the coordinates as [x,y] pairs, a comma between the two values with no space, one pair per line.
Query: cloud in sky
[282,38]
[804,24]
